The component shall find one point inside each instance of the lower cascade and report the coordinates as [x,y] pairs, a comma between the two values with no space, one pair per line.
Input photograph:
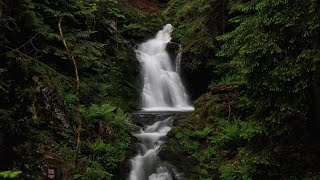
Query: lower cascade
[147,165]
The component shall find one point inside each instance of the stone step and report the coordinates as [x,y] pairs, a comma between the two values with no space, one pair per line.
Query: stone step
[142,118]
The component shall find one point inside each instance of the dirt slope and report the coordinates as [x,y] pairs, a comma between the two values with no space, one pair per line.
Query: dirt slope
[147,6]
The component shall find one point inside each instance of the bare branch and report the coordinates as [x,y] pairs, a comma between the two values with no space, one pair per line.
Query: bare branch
[69,52]
[23,45]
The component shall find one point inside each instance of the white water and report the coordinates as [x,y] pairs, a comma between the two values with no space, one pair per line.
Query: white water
[178,60]
[163,89]
[147,165]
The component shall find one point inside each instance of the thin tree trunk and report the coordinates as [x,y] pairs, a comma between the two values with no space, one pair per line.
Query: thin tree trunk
[70,54]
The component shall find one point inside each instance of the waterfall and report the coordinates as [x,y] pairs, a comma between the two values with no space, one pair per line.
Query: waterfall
[147,165]
[163,89]
[178,60]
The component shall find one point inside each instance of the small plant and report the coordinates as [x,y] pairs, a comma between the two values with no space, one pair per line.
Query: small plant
[10,174]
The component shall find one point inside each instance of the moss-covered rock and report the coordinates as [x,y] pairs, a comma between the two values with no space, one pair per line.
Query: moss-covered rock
[196,146]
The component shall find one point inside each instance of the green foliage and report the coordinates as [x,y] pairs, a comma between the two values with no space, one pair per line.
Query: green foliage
[273,48]
[10,174]
[211,138]
[105,141]
[190,19]
[270,45]
[224,146]
[197,25]
[37,81]
[95,171]
[141,26]
[268,49]
[108,128]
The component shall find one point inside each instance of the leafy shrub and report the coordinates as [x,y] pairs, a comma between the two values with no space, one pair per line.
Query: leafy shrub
[10,174]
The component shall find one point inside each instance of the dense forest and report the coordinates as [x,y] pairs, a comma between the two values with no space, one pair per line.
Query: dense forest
[69,79]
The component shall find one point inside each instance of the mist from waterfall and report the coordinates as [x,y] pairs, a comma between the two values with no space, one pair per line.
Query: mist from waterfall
[163,89]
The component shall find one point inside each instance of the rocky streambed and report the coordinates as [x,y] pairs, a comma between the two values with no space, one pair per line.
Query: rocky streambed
[170,153]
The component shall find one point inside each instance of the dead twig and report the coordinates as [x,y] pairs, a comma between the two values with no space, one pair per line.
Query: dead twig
[22,46]
[70,54]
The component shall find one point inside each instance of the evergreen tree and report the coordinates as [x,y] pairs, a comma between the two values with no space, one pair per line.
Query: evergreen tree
[40,41]
[276,46]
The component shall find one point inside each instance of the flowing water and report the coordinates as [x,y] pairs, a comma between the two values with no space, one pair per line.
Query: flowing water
[163,90]
[178,60]
[147,165]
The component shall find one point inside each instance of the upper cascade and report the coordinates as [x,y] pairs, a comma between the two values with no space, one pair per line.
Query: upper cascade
[163,89]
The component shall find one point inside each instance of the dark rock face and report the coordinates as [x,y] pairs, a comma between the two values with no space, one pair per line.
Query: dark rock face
[148,118]
[196,80]
[163,1]
[125,167]
[173,49]
[173,152]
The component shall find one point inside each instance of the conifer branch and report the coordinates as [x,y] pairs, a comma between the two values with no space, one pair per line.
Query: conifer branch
[23,45]
[16,50]
[30,40]
[70,54]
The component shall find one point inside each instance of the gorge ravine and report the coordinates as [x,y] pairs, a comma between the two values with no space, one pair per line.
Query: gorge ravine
[163,91]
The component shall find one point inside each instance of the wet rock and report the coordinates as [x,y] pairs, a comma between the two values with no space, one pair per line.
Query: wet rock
[125,167]
[172,152]
[148,118]
[173,49]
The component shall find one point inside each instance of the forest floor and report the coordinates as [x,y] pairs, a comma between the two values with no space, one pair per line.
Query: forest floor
[147,6]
